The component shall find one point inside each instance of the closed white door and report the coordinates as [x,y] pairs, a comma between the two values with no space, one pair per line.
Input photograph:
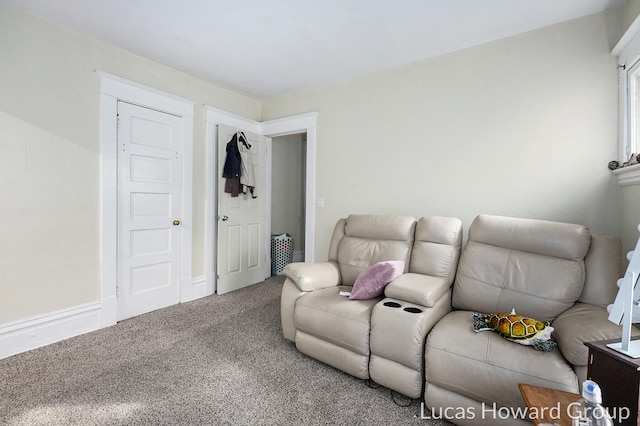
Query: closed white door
[150,146]
[241,219]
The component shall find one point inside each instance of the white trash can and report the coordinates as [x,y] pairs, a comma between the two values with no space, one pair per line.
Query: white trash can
[281,252]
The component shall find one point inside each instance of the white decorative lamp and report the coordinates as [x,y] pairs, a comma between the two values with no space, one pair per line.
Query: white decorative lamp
[625,309]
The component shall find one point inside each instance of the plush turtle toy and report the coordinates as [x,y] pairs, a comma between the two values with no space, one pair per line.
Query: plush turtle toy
[519,329]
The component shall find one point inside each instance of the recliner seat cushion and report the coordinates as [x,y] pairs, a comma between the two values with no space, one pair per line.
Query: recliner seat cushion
[336,319]
[486,367]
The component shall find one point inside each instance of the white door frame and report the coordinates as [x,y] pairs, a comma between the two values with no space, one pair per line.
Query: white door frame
[112,90]
[302,123]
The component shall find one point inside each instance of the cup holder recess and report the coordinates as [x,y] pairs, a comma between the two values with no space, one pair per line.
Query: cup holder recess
[409,309]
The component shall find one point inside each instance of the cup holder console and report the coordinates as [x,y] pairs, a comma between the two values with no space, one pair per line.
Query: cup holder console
[409,309]
[409,324]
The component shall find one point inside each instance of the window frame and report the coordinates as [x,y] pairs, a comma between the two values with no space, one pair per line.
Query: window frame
[631,111]
[628,52]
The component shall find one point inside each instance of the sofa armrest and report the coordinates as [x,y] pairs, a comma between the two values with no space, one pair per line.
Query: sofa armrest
[424,290]
[313,276]
[582,323]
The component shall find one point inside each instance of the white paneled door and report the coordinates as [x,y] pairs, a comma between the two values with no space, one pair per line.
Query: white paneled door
[150,147]
[241,219]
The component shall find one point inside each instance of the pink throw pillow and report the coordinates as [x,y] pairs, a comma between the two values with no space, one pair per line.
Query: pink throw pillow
[371,282]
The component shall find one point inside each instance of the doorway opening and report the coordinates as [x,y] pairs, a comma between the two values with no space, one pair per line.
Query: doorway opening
[288,189]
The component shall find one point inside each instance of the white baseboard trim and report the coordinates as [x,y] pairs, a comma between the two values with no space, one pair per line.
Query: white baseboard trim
[25,335]
[298,256]
[211,283]
[109,313]
[193,289]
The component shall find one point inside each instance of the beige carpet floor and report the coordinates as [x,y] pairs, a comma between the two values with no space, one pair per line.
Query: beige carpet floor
[220,360]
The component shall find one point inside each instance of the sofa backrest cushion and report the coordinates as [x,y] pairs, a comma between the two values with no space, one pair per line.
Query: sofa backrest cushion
[533,266]
[602,266]
[336,238]
[437,245]
[368,239]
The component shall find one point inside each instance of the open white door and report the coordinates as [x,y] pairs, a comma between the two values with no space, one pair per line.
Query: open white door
[150,148]
[241,219]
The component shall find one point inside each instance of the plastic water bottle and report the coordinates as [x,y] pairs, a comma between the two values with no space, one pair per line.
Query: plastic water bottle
[589,410]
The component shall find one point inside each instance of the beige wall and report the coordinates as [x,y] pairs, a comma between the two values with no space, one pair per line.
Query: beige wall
[631,11]
[522,126]
[630,217]
[49,159]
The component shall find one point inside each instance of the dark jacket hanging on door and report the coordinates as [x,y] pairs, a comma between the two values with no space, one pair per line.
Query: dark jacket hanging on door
[232,168]
[238,167]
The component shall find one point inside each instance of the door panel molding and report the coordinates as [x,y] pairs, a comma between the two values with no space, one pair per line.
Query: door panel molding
[150,156]
[242,237]
[112,90]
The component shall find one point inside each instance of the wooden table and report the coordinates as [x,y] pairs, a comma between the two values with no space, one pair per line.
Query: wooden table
[548,405]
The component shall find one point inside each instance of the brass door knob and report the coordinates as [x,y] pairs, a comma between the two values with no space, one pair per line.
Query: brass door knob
[176,222]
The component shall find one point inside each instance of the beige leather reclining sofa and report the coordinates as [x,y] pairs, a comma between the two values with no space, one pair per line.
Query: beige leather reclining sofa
[380,338]
[554,272]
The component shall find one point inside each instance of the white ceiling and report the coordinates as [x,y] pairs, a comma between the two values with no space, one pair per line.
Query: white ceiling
[267,48]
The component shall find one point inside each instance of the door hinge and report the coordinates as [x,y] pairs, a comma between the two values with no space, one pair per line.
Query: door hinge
[117,121]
